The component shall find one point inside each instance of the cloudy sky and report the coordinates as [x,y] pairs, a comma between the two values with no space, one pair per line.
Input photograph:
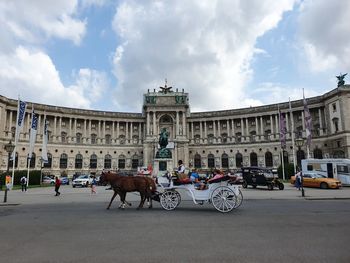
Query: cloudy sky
[104,54]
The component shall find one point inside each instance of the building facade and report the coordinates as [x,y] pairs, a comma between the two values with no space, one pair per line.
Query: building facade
[87,141]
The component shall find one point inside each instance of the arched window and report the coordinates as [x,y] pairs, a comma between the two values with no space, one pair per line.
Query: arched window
[135,139]
[121,162]
[48,164]
[268,159]
[239,160]
[13,131]
[224,138]
[16,161]
[78,161]
[267,135]
[78,137]
[210,139]
[224,160]
[108,138]
[63,161]
[134,162]
[318,154]
[211,161]
[63,137]
[197,139]
[197,161]
[108,161]
[121,139]
[93,161]
[93,138]
[32,161]
[338,154]
[253,159]
[238,137]
[252,136]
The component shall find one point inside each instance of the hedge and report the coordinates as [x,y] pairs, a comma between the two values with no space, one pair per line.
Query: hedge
[34,177]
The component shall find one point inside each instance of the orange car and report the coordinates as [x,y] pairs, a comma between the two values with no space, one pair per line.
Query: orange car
[314,179]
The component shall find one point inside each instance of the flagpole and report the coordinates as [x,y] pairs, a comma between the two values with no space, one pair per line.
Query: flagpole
[293,142]
[29,158]
[14,150]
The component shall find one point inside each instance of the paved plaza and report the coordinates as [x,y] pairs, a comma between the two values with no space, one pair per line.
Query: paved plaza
[281,226]
[77,195]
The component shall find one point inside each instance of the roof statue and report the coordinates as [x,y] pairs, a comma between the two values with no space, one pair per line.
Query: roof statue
[340,78]
[166,89]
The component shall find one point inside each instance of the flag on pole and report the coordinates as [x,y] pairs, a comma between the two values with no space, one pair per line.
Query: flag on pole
[45,139]
[21,111]
[33,130]
[307,120]
[283,129]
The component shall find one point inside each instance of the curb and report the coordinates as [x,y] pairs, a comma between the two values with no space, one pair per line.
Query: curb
[8,204]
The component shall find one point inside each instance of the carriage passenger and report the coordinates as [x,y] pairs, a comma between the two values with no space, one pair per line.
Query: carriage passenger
[195,180]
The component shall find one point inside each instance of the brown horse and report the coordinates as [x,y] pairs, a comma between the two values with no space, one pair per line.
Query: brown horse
[123,184]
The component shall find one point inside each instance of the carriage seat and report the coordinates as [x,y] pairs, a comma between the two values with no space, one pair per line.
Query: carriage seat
[182,181]
[220,179]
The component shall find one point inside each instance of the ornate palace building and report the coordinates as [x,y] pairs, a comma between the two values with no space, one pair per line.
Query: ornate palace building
[87,141]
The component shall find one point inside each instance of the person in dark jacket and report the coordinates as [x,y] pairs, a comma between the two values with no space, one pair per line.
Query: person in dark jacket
[57,186]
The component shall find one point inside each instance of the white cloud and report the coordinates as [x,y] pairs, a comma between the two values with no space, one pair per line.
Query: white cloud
[32,75]
[204,47]
[34,21]
[325,34]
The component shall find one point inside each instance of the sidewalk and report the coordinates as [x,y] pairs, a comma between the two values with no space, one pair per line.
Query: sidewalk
[69,194]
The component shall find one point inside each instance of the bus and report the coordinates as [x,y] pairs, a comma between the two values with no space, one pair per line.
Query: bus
[331,168]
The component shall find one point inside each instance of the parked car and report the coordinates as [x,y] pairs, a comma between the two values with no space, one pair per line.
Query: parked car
[64,180]
[314,179]
[48,180]
[82,180]
[259,176]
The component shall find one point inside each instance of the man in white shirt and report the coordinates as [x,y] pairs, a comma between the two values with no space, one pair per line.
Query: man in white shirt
[24,183]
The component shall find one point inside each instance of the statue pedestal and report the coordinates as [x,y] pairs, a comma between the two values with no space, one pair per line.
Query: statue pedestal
[161,165]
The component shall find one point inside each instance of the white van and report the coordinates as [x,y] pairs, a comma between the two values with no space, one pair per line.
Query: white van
[331,168]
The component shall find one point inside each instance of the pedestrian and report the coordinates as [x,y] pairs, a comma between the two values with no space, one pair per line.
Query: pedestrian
[298,180]
[24,183]
[93,185]
[57,186]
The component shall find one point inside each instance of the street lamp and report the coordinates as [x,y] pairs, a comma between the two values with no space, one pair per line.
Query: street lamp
[9,149]
[299,142]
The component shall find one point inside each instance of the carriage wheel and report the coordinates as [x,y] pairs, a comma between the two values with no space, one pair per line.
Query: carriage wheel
[223,199]
[170,199]
[239,198]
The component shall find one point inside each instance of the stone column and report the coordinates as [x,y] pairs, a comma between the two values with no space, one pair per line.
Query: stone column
[131,131]
[55,128]
[242,130]
[177,123]
[257,137]
[276,127]
[205,132]
[113,129]
[10,121]
[183,124]
[85,132]
[127,135]
[233,130]
[200,131]
[320,121]
[147,124]
[70,128]
[261,128]
[39,124]
[140,132]
[271,125]
[154,124]
[228,128]
[192,132]
[214,128]
[219,128]
[117,136]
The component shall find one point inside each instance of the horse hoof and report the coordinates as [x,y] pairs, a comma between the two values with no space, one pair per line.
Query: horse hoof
[150,207]
[107,208]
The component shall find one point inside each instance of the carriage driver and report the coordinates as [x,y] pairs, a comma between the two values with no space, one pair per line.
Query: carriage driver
[181,168]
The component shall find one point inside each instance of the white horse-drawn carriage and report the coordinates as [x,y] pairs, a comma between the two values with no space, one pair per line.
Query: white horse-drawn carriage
[221,193]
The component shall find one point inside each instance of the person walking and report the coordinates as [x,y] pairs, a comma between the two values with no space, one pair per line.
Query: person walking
[57,186]
[24,183]
[93,185]
[298,180]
